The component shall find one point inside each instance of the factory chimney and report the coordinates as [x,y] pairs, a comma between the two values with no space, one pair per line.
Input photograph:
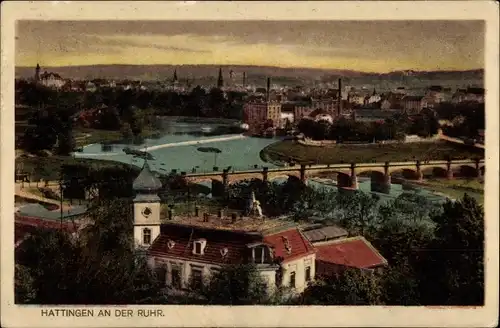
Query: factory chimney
[339,100]
[268,88]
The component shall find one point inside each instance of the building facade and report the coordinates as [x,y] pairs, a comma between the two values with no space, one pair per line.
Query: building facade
[261,114]
[186,251]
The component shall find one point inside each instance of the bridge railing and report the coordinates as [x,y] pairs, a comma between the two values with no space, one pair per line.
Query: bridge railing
[251,169]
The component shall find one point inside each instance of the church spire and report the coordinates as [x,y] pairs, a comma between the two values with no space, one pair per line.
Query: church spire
[37,72]
[220,80]
[175,76]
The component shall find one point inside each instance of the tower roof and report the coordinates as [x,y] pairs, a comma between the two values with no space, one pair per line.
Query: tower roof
[146,181]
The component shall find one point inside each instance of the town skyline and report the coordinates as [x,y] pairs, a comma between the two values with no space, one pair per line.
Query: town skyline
[363,46]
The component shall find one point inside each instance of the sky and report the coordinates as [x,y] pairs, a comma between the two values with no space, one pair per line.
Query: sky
[368,46]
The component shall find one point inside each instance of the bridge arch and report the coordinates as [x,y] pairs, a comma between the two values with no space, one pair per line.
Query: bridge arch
[283,174]
[435,171]
[406,173]
[468,171]
[368,170]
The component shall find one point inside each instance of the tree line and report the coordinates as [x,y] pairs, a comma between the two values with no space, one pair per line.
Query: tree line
[425,124]
[435,254]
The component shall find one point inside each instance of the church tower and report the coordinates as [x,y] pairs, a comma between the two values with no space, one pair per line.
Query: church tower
[146,208]
[37,73]
[220,80]
[174,80]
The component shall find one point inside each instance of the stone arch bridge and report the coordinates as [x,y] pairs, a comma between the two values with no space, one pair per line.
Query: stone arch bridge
[347,174]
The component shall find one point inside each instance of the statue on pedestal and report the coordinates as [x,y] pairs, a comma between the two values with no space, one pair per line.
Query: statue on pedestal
[254,208]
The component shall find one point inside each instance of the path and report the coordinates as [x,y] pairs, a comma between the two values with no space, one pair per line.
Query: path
[25,193]
[459,141]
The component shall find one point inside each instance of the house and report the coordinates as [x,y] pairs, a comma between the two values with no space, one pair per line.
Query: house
[414,104]
[52,80]
[468,95]
[336,255]
[186,250]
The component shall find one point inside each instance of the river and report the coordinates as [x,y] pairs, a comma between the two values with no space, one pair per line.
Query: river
[178,150]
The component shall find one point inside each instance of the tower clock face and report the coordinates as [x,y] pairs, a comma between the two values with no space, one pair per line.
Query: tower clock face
[146,212]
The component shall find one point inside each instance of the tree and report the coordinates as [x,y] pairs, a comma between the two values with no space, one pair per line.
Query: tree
[101,267]
[126,131]
[65,142]
[23,285]
[236,285]
[453,273]
[350,287]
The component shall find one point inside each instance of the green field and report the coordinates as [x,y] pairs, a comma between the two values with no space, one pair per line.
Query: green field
[456,188]
[284,151]
[49,168]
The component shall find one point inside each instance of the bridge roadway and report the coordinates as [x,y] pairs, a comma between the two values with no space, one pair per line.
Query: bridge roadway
[346,173]
[340,167]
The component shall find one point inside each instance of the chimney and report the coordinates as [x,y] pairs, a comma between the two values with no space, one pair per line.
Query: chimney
[339,101]
[220,213]
[170,213]
[206,217]
[244,79]
[268,88]
[197,211]
[233,217]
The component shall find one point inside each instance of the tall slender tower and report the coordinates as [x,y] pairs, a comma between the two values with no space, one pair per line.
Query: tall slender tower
[175,76]
[339,101]
[146,208]
[37,73]
[220,81]
[268,89]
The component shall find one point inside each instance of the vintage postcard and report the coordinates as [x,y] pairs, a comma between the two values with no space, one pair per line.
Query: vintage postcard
[258,164]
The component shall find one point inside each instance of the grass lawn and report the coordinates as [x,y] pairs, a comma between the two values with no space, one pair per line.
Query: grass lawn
[87,136]
[456,188]
[49,168]
[344,153]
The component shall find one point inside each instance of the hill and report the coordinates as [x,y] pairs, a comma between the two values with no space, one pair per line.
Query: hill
[255,74]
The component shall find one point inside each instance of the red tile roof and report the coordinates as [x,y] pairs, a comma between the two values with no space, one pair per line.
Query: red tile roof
[298,245]
[236,243]
[353,252]
[28,221]
[183,236]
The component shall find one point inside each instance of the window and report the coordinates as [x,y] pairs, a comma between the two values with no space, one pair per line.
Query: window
[176,277]
[199,246]
[292,279]
[146,236]
[258,256]
[308,273]
[196,278]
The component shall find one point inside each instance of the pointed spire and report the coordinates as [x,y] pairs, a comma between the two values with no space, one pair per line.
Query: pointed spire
[220,81]
[175,75]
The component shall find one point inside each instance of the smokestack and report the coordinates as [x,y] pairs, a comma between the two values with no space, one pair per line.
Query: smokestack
[268,87]
[244,79]
[339,101]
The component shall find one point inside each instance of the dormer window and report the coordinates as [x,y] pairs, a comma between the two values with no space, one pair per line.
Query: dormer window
[259,253]
[199,246]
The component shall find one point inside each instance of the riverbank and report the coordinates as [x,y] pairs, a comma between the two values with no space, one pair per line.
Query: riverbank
[193,142]
[49,168]
[455,188]
[284,151]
